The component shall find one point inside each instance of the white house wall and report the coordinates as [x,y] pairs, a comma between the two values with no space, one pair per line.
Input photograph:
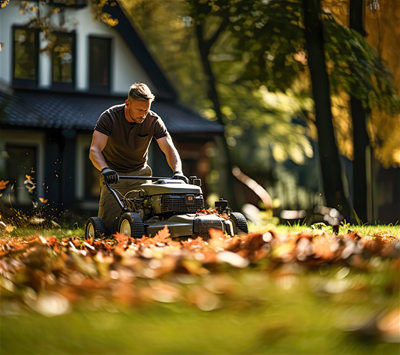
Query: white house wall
[125,69]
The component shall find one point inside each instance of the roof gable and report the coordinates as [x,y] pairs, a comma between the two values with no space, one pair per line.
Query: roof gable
[127,31]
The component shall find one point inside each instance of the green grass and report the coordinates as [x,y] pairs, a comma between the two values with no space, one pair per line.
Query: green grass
[48,232]
[68,231]
[364,230]
[291,310]
[265,318]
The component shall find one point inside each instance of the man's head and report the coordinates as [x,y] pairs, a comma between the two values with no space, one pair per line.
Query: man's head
[138,103]
[140,92]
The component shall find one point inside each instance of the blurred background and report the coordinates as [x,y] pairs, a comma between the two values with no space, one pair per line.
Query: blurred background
[239,85]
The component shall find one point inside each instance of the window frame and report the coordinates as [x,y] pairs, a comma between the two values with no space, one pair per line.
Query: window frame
[100,89]
[61,86]
[25,83]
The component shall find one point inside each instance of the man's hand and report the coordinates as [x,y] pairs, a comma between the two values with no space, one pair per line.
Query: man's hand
[179,175]
[111,176]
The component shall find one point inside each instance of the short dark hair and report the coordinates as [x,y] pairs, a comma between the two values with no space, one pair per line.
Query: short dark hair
[141,92]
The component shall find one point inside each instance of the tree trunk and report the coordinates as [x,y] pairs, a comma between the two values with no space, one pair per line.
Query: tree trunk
[360,134]
[327,148]
[227,179]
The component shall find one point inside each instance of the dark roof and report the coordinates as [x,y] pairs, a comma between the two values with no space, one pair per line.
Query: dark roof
[127,31]
[46,109]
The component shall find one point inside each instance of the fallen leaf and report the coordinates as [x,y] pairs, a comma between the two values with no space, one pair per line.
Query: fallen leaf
[120,237]
[3,184]
[162,235]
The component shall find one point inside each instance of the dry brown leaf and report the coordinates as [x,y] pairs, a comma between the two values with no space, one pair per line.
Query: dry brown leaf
[3,184]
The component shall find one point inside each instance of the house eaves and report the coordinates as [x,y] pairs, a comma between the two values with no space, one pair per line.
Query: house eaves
[44,109]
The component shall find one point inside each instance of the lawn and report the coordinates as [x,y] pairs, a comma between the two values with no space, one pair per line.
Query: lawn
[290,290]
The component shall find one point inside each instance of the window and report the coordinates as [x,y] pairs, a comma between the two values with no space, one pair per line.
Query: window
[22,153]
[21,163]
[63,56]
[26,55]
[100,64]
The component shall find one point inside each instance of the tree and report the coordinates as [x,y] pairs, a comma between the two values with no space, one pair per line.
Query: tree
[328,153]
[360,134]
[199,10]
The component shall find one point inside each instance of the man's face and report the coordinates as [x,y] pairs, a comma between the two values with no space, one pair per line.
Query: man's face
[137,110]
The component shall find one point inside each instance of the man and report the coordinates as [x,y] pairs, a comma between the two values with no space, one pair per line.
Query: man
[120,143]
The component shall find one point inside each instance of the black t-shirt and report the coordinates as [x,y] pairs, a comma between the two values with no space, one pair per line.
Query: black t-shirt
[128,143]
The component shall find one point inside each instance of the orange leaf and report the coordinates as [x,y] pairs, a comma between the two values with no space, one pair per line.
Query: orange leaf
[3,184]
[120,237]
[43,200]
[322,247]
[28,177]
[193,242]
[216,234]
[162,235]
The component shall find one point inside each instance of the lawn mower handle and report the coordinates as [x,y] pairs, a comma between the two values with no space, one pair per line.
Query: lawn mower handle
[132,178]
[143,177]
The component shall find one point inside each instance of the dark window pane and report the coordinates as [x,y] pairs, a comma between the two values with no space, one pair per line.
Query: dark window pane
[63,59]
[21,161]
[100,51]
[25,54]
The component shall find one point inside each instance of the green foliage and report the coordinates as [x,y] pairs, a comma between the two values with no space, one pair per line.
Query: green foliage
[270,35]
[257,123]
[272,44]
[357,68]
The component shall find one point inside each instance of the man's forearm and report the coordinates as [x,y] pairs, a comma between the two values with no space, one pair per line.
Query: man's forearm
[97,158]
[174,161]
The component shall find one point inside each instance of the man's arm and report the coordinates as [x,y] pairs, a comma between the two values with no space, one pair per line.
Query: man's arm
[172,155]
[99,141]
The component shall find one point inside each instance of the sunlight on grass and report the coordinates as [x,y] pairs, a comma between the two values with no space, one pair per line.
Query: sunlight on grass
[366,230]
[47,232]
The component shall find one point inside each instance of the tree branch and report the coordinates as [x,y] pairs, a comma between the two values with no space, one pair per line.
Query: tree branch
[224,24]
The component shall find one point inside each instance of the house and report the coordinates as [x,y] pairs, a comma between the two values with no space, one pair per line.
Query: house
[51,98]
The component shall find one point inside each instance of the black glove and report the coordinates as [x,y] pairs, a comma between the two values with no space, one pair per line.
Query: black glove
[179,175]
[111,176]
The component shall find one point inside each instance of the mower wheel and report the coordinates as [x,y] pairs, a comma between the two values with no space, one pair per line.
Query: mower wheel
[131,225]
[240,222]
[95,228]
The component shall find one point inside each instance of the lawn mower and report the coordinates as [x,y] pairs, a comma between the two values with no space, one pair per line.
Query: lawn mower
[168,202]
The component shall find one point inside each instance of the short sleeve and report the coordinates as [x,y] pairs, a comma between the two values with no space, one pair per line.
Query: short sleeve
[104,124]
[160,130]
